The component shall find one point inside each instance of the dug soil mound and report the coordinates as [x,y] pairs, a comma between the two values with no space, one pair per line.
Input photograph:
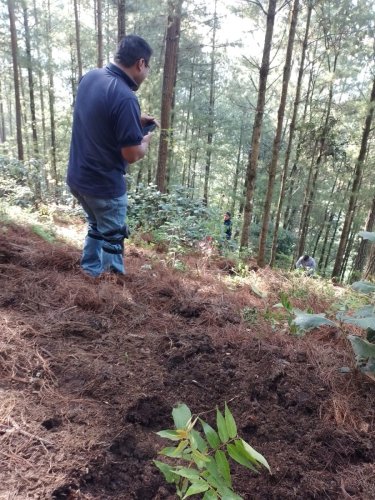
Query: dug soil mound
[90,370]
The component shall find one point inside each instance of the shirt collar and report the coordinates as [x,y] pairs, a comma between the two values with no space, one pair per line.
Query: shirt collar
[129,81]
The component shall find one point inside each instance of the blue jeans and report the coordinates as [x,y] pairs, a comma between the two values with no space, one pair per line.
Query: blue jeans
[103,250]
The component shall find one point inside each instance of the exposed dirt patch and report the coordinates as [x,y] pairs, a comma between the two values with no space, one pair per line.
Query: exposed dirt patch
[90,370]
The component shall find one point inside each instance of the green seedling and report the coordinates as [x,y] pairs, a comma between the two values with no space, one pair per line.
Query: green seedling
[199,463]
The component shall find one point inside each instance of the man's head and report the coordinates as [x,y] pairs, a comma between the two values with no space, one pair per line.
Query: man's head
[227,216]
[133,54]
[306,258]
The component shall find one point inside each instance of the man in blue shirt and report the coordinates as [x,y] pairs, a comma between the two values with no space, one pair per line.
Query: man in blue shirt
[307,263]
[107,136]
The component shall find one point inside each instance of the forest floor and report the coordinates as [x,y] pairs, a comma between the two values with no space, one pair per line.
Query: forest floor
[90,371]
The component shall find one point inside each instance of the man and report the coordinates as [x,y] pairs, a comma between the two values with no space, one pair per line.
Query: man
[228,225]
[106,137]
[307,263]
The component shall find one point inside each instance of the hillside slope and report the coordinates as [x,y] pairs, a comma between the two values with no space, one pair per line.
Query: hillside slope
[89,371]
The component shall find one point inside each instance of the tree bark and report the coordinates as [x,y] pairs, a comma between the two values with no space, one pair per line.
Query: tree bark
[17,95]
[100,33]
[169,79]
[276,143]
[41,93]
[51,98]
[121,22]
[31,83]
[257,127]
[358,172]
[238,165]
[292,127]
[365,245]
[3,135]
[211,111]
[78,38]
[370,265]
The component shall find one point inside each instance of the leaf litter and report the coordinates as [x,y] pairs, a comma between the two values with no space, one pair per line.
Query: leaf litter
[91,369]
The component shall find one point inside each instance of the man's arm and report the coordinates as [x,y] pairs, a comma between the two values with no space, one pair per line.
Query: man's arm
[134,153]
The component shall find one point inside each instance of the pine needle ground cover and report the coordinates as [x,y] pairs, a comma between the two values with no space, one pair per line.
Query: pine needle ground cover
[90,371]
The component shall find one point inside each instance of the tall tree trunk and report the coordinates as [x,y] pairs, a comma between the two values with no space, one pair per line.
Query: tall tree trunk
[169,79]
[333,237]
[78,38]
[348,249]
[238,165]
[288,217]
[51,98]
[369,271]
[3,135]
[41,93]
[211,111]
[31,82]
[100,33]
[310,190]
[121,23]
[257,128]
[355,188]
[292,127]
[365,245]
[326,224]
[276,143]
[17,95]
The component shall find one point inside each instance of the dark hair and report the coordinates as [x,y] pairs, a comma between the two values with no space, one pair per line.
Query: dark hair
[228,214]
[306,257]
[130,49]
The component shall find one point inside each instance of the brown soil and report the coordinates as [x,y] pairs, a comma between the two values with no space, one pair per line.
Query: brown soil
[89,371]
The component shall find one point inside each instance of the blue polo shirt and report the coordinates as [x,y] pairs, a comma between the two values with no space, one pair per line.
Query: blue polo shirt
[107,117]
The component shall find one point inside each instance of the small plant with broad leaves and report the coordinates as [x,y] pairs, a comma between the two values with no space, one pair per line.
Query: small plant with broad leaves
[364,317]
[203,465]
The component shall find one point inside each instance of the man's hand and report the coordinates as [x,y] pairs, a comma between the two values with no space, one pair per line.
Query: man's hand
[135,153]
[147,119]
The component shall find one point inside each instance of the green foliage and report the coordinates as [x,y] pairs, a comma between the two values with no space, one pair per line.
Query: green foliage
[203,457]
[43,233]
[364,353]
[305,321]
[175,218]
[364,350]
[363,287]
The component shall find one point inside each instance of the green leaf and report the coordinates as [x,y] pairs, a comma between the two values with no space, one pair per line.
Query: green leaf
[192,474]
[230,423]
[253,455]
[363,286]
[223,466]
[305,321]
[175,452]
[211,435]
[221,426]
[239,458]
[181,416]
[199,458]
[362,348]
[366,235]
[210,495]
[195,488]
[364,323]
[167,471]
[169,434]
[197,442]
